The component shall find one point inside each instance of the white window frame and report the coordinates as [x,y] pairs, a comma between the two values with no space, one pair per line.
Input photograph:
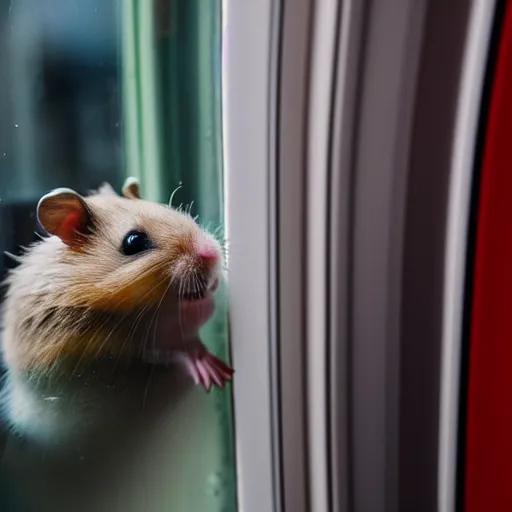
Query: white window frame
[248,54]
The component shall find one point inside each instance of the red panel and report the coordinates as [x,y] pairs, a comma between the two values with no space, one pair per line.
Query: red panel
[488,486]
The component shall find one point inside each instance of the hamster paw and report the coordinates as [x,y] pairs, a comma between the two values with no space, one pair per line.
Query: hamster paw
[205,368]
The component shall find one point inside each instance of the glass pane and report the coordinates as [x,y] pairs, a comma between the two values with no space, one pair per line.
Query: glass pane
[94,91]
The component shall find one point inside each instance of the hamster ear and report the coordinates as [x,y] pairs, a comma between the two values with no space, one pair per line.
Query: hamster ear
[63,213]
[131,188]
[106,190]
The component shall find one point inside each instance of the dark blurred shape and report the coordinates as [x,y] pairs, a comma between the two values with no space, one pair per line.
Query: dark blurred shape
[60,103]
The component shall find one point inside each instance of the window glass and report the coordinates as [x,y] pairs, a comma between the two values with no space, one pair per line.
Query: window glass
[94,91]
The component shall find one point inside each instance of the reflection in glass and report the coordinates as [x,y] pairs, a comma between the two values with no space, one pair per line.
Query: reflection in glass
[94,91]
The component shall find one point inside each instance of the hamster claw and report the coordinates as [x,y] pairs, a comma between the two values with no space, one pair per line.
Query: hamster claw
[206,369]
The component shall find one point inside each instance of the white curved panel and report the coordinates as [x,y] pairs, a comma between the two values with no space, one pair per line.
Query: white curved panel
[248,45]
[320,105]
[466,126]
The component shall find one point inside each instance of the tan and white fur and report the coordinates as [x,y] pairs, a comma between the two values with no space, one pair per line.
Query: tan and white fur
[120,287]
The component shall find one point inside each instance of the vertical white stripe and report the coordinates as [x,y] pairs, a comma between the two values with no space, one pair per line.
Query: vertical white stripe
[247,46]
[469,107]
[324,44]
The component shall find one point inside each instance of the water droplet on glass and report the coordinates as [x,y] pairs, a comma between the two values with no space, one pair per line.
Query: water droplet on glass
[215,483]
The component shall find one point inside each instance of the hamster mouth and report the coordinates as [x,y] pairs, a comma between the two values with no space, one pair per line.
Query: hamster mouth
[193,296]
[180,327]
[202,292]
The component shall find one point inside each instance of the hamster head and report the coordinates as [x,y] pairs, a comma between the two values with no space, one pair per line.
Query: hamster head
[123,254]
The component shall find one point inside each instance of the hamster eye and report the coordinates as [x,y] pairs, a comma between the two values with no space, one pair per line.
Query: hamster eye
[135,242]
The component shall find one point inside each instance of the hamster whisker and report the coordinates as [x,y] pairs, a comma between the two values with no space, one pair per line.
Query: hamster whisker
[109,335]
[133,328]
[173,194]
[198,286]
[93,336]
[139,317]
[217,232]
[156,314]
[224,245]
[102,325]
[13,257]
[51,368]
[131,332]
[214,229]
[146,391]
[123,317]
[102,344]
[191,284]
[114,328]
[181,285]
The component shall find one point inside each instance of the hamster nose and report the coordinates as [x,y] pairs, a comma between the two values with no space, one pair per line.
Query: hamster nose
[207,254]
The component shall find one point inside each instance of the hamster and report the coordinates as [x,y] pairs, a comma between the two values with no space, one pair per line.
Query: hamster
[119,282]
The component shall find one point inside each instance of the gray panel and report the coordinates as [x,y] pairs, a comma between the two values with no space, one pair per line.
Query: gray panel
[422,288]
[346,96]
[293,98]
[397,71]
[391,171]
[387,88]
